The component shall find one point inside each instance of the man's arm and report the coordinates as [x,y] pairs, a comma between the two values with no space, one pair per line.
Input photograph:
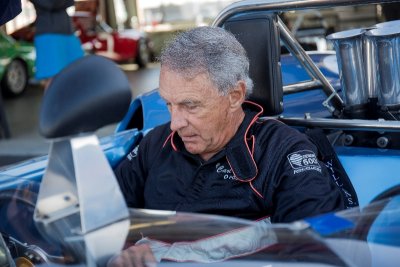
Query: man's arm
[132,173]
[216,248]
[305,187]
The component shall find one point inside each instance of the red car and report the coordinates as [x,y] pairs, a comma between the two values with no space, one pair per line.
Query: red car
[121,46]
[99,38]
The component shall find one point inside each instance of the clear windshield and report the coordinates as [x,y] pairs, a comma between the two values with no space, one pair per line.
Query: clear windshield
[223,241]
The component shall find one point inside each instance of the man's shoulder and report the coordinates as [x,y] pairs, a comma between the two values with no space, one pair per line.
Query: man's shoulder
[158,134]
[277,132]
[273,126]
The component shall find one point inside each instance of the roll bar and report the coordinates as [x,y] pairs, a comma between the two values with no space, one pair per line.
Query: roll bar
[291,43]
[288,5]
[353,125]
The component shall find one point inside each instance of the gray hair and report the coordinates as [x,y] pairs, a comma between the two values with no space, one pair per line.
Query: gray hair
[212,50]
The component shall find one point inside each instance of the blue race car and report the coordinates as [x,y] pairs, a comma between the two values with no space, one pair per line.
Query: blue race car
[66,208]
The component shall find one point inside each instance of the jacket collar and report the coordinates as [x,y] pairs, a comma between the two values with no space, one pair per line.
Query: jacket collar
[239,150]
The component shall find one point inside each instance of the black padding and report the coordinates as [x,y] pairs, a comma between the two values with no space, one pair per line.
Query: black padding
[88,94]
[259,35]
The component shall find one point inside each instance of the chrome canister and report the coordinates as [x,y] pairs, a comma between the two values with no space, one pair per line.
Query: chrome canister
[391,23]
[385,41]
[349,46]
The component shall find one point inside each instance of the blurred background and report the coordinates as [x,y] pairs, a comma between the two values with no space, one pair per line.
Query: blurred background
[156,17]
[131,33]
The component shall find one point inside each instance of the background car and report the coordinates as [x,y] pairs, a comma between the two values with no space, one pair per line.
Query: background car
[17,60]
[97,37]
[121,46]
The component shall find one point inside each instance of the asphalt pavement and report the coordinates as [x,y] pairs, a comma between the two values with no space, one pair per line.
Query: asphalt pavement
[22,114]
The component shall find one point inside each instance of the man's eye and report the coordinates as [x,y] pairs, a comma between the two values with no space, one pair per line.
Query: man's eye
[191,107]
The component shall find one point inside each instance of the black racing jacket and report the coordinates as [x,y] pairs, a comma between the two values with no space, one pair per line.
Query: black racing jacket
[268,169]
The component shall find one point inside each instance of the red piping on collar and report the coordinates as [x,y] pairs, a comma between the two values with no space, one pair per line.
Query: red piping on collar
[251,152]
[253,141]
[170,137]
[255,190]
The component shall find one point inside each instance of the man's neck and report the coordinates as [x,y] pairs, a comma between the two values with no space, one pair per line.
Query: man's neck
[235,121]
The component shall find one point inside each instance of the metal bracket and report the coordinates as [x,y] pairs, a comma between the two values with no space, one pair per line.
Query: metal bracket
[80,202]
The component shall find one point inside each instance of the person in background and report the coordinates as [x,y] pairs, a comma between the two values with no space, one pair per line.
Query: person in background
[55,42]
[217,155]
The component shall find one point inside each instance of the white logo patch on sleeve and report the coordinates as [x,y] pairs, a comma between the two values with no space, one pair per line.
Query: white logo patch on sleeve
[133,153]
[303,160]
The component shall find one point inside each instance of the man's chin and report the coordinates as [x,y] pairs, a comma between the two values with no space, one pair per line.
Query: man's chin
[192,149]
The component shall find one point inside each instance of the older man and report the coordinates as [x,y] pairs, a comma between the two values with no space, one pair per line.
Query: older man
[216,155]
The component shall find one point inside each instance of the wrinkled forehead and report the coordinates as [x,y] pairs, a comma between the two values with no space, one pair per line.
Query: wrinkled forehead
[174,82]
[188,75]
[186,72]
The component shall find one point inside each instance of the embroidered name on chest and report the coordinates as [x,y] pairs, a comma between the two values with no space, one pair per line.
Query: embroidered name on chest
[227,173]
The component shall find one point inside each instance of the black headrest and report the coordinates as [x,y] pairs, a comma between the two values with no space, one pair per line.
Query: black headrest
[89,93]
[259,35]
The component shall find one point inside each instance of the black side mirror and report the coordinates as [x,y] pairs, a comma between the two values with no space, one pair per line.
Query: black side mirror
[88,94]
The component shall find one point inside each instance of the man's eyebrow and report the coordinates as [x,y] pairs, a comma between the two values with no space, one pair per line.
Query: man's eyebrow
[189,102]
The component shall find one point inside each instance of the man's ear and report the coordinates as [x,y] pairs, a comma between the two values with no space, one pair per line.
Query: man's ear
[237,95]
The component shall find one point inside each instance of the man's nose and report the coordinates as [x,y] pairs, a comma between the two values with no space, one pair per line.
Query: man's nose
[178,119]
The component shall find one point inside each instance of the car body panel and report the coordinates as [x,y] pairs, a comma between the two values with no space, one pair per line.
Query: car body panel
[364,165]
[297,104]
[115,147]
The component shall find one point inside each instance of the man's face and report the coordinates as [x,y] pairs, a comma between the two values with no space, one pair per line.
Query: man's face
[201,117]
